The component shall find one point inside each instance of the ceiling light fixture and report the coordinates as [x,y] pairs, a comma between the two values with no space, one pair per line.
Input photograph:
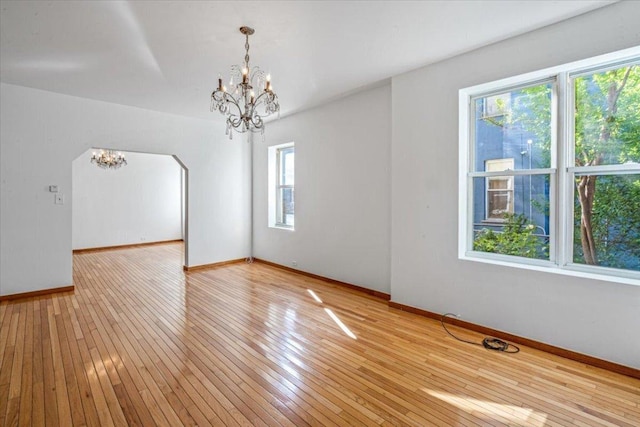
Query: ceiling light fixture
[108,159]
[249,89]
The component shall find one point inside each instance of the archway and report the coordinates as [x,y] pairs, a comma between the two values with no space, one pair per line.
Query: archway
[142,202]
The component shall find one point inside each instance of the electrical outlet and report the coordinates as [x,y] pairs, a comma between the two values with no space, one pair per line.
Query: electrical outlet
[295,263]
[59,199]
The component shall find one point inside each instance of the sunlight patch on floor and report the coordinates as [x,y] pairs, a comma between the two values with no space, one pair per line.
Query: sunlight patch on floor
[514,414]
[315,297]
[339,323]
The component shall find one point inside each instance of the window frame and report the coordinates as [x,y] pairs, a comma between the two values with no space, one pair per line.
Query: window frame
[274,177]
[280,186]
[561,171]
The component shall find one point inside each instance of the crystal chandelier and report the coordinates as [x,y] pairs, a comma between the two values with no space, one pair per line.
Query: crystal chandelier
[108,159]
[249,90]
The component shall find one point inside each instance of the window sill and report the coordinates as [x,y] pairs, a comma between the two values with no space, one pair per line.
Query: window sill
[574,270]
[283,227]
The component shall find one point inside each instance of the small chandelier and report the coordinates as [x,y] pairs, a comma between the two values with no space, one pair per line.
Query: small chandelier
[249,89]
[108,159]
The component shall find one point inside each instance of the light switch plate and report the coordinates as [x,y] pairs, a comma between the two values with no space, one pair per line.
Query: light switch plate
[59,199]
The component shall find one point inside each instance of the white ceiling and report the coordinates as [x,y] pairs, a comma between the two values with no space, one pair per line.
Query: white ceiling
[166,55]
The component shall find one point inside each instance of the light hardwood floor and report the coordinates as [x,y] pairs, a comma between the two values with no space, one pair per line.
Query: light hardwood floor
[140,342]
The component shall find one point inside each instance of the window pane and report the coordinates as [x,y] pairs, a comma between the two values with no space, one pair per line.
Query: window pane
[514,125]
[287,200]
[286,206]
[499,183]
[607,119]
[515,221]
[498,165]
[608,234]
[287,166]
[499,204]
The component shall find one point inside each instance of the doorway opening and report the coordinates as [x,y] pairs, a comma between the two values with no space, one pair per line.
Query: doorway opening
[142,202]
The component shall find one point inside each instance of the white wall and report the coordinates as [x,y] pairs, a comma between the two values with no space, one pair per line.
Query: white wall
[137,203]
[342,191]
[592,317]
[41,133]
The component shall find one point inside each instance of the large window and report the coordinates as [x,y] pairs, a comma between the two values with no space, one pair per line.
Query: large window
[282,186]
[550,169]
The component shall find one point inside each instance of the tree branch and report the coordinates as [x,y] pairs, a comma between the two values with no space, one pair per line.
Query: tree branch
[614,101]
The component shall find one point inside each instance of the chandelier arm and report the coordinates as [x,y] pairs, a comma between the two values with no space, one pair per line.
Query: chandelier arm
[234,121]
[232,100]
[226,97]
[259,101]
[257,124]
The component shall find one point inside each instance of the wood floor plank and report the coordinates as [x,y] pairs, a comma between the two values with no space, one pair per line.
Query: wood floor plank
[5,328]
[26,391]
[64,399]
[36,406]
[141,342]
[50,396]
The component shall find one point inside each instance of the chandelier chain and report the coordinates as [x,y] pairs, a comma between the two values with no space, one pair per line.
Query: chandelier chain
[246,55]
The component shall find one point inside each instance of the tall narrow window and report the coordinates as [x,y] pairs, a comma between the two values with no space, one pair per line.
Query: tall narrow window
[285,206]
[281,186]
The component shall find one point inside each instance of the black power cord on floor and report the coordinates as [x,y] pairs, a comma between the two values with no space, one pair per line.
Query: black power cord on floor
[488,343]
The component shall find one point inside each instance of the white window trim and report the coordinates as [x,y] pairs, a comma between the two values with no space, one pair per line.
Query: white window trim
[272,182]
[562,197]
[280,216]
